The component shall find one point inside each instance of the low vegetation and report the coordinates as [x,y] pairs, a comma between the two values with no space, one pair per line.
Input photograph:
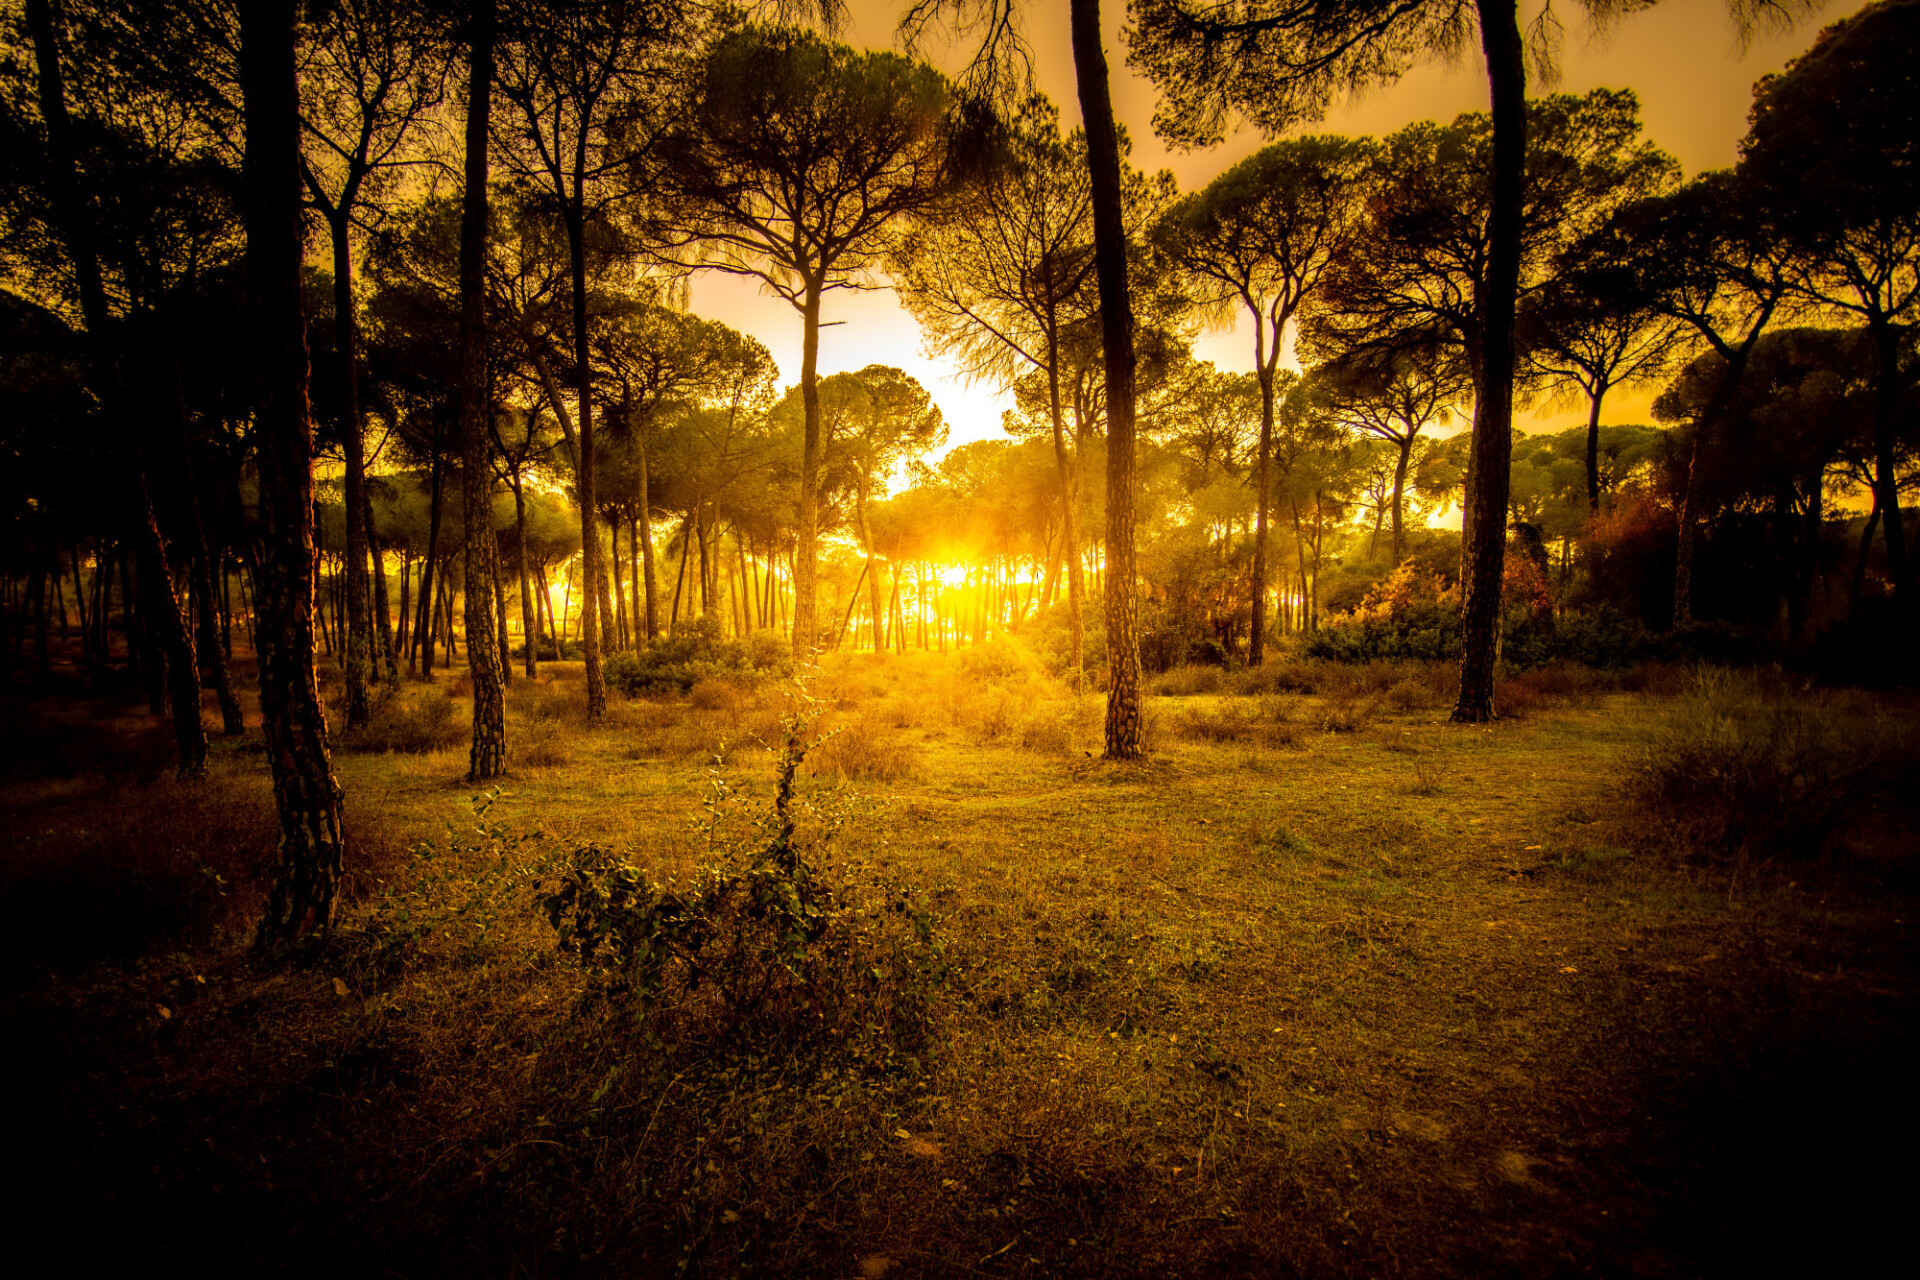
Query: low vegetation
[894,977]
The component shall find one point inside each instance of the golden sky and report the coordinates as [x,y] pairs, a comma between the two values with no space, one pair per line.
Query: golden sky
[1683,57]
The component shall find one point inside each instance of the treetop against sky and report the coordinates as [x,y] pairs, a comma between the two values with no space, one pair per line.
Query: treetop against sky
[1682,57]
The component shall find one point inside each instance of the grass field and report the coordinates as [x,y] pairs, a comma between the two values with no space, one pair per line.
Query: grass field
[1326,986]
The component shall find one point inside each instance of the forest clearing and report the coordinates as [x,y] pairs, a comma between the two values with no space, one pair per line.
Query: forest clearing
[845,638]
[1324,986]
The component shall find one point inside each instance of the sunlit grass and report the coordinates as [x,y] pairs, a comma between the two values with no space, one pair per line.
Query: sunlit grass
[1309,989]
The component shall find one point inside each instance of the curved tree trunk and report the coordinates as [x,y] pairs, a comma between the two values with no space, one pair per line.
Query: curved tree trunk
[1400,498]
[307,874]
[488,757]
[1492,451]
[1116,338]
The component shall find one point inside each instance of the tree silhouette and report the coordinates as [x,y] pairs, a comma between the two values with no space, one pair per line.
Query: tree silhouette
[582,81]
[1425,265]
[1395,393]
[311,853]
[794,159]
[1263,234]
[1714,258]
[1277,62]
[1835,147]
[371,70]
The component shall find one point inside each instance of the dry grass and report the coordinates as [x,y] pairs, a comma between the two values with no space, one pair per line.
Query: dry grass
[1326,1010]
[861,749]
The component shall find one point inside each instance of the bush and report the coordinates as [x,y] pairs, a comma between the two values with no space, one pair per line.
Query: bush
[1740,776]
[994,660]
[697,652]
[1424,631]
[1186,680]
[414,722]
[551,650]
[768,942]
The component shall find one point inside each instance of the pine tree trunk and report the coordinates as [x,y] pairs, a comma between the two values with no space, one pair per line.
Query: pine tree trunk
[529,615]
[308,799]
[1116,337]
[357,661]
[488,756]
[1064,468]
[1886,483]
[806,632]
[584,462]
[382,617]
[1492,449]
[1263,489]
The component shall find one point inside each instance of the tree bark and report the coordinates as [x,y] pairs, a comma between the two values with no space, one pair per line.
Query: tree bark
[1116,339]
[488,755]
[1069,492]
[1593,449]
[645,526]
[1400,499]
[806,637]
[308,799]
[1262,486]
[382,618]
[1492,449]
[358,633]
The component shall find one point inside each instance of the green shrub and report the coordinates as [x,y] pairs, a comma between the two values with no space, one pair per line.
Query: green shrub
[768,940]
[994,660]
[412,722]
[1421,631]
[697,652]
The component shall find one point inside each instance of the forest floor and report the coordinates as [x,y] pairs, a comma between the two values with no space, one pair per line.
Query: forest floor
[1326,986]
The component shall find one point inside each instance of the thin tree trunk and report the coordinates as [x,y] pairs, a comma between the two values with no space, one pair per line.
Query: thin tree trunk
[529,616]
[806,637]
[1399,499]
[1116,335]
[382,616]
[1860,562]
[1593,449]
[1066,469]
[583,410]
[357,657]
[1886,485]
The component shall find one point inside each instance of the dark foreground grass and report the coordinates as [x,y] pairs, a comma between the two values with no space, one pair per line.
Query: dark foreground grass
[1326,987]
